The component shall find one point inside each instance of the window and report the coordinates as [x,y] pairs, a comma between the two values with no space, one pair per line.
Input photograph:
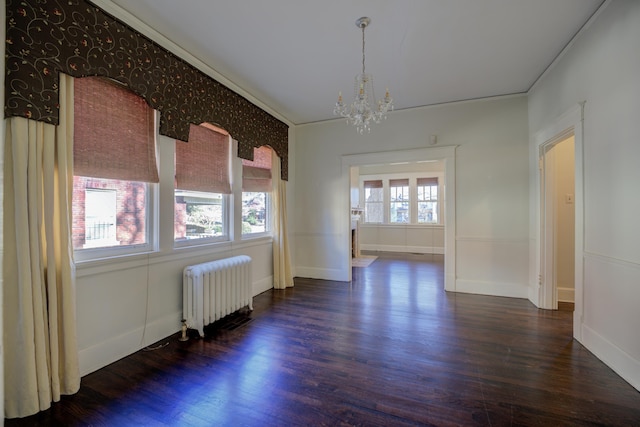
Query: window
[256,189]
[201,185]
[199,215]
[114,168]
[373,201]
[109,213]
[254,212]
[399,201]
[396,198]
[427,189]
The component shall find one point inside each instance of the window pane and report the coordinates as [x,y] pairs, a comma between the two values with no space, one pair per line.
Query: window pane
[254,213]
[373,204]
[108,212]
[428,212]
[399,197]
[427,200]
[199,215]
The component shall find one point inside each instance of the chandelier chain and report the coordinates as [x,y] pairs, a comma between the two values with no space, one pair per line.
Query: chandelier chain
[363,27]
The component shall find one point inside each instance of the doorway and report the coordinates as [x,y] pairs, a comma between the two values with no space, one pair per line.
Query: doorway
[558,221]
[445,154]
[542,294]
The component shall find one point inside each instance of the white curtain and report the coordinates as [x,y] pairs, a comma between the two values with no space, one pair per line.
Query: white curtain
[39,328]
[282,275]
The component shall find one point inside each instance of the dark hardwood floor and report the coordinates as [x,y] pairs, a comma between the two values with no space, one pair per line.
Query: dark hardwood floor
[390,348]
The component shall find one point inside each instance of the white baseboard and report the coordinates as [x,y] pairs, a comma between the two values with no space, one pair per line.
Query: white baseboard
[402,248]
[262,285]
[321,273]
[613,356]
[566,294]
[534,294]
[512,290]
[106,352]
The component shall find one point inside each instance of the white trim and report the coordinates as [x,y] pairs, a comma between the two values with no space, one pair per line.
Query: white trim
[436,105]
[613,356]
[321,273]
[106,265]
[566,294]
[518,240]
[511,290]
[401,248]
[569,45]
[611,260]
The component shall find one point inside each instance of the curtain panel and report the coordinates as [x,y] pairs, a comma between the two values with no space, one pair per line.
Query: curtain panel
[282,269]
[39,325]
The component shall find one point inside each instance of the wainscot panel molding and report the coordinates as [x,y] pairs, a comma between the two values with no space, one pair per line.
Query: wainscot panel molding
[117,347]
[322,263]
[493,266]
[609,282]
[262,285]
[615,357]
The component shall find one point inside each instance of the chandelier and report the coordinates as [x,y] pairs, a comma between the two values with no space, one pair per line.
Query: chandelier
[364,109]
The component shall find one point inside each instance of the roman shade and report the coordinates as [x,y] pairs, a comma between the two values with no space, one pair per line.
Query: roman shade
[256,174]
[202,164]
[399,182]
[427,181]
[373,184]
[114,132]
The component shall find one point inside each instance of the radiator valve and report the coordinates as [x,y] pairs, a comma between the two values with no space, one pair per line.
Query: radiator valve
[184,336]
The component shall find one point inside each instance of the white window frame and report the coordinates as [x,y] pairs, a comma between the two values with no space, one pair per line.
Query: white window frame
[151,210]
[225,237]
[268,221]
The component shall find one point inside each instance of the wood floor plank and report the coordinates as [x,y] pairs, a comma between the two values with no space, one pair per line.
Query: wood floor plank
[389,348]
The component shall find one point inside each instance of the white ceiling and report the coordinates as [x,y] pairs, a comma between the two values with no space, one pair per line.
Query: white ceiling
[294,55]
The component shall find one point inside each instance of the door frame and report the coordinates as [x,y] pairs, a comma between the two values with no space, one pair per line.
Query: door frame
[444,153]
[542,292]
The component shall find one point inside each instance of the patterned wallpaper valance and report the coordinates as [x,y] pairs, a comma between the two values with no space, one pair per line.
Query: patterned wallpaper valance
[77,38]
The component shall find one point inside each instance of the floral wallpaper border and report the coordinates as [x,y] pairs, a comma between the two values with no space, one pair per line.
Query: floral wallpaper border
[75,37]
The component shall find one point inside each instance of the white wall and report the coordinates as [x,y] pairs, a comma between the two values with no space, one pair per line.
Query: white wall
[128,303]
[491,187]
[602,67]
[423,239]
